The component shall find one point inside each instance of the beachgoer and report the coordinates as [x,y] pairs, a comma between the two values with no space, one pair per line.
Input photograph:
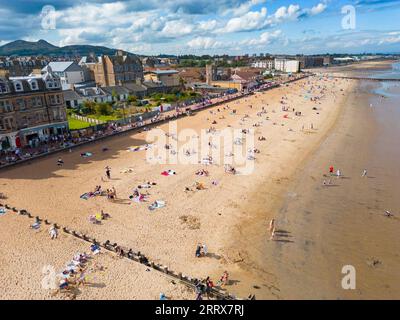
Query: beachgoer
[364,173]
[53,232]
[225,278]
[198,251]
[108,172]
[205,250]
[271,225]
[272,234]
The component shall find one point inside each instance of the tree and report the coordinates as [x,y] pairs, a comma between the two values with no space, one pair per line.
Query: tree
[131,99]
[103,109]
[88,107]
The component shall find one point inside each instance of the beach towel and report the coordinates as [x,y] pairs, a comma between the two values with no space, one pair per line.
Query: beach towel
[139,148]
[157,205]
[35,226]
[138,199]
[168,173]
[87,195]
[86,154]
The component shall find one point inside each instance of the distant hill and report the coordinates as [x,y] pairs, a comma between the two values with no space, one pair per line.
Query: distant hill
[42,47]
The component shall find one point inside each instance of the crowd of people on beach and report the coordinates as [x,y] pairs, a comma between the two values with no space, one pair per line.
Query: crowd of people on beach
[67,141]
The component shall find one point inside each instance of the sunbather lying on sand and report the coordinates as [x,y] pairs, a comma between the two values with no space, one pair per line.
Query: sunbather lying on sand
[202,172]
[147,185]
[230,169]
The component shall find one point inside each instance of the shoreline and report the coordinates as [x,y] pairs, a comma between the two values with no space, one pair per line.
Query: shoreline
[339,226]
[258,224]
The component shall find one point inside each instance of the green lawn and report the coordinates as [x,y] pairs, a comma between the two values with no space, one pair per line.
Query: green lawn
[75,124]
[103,118]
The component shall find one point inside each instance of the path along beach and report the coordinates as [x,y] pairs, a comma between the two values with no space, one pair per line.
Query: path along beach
[231,217]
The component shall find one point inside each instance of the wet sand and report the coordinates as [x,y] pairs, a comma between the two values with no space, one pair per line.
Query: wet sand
[344,224]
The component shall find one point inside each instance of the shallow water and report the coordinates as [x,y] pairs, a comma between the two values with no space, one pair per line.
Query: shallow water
[345,224]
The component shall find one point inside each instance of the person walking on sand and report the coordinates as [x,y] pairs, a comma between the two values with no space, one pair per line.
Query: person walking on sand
[331,169]
[108,172]
[364,173]
[272,234]
[338,173]
[271,225]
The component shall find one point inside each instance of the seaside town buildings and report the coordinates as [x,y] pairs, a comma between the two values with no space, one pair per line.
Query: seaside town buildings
[20,66]
[113,70]
[169,78]
[307,62]
[286,65]
[32,108]
[268,64]
[69,73]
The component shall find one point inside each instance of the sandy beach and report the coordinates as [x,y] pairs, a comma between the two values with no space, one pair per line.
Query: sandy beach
[230,216]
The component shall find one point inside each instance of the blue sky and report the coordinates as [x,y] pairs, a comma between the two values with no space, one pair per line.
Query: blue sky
[208,26]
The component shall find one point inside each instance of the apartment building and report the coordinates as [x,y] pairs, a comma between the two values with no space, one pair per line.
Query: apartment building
[69,72]
[31,109]
[113,70]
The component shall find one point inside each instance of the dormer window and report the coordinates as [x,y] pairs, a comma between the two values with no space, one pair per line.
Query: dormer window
[49,84]
[34,85]
[18,86]
[3,87]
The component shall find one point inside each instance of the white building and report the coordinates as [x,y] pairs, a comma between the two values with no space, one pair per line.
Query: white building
[264,64]
[286,65]
[69,72]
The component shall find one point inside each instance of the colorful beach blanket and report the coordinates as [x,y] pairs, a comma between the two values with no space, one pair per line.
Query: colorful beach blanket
[87,195]
[168,173]
[157,205]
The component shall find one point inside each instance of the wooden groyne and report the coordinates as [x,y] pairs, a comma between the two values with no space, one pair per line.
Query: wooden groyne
[128,253]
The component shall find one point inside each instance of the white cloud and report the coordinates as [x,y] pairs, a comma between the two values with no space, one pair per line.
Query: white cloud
[243,8]
[176,28]
[204,43]
[253,20]
[265,38]
[207,25]
[390,40]
[319,8]
[287,13]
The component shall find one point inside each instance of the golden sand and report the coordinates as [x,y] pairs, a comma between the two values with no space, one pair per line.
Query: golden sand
[227,217]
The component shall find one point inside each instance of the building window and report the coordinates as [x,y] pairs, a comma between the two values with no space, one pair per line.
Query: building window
[34,85]
[8,123]
[18,86]
[3,87]
[21,104]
